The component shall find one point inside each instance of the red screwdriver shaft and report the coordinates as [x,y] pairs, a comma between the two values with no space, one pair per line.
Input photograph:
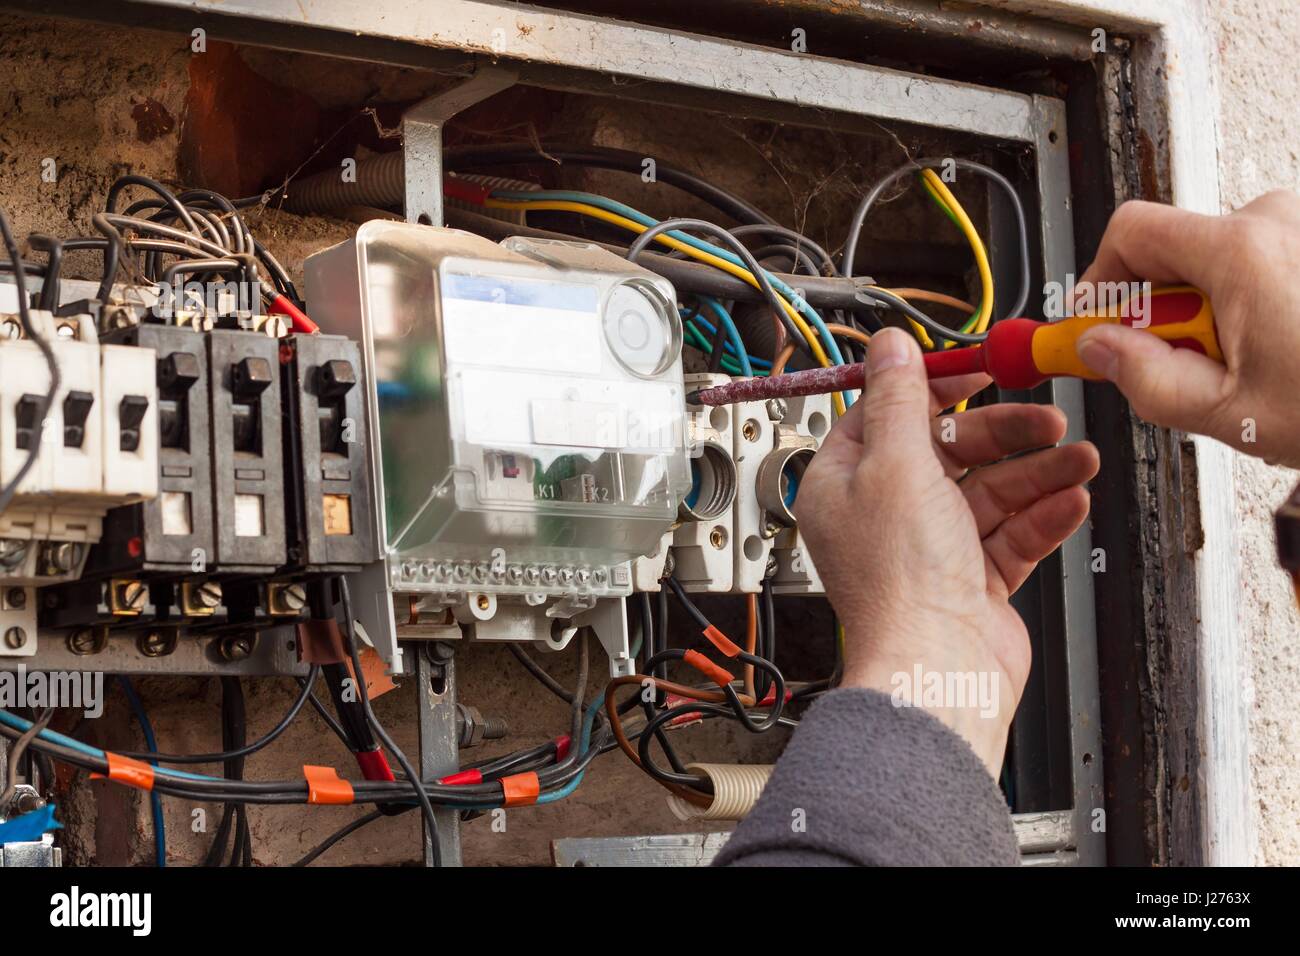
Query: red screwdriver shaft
[837,378]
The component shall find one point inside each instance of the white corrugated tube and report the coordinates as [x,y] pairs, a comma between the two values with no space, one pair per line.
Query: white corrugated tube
[736,788]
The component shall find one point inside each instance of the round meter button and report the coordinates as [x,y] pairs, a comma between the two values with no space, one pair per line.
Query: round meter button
[641,329]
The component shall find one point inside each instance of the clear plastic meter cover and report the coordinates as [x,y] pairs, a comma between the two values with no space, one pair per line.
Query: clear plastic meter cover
[531,403]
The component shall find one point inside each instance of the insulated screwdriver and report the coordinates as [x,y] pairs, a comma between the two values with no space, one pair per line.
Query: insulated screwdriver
[1018,353]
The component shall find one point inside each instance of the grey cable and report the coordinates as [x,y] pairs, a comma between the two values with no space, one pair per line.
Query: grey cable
[873,194]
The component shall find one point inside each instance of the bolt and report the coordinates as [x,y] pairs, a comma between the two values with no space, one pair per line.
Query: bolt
[291,598]
[207,594]
[11,329]
[16,598]
[83,642]
[483,602]
[718,537]
[237,647]
[62,557]
[12,552]
[26,799]
[750,430]
[769,570]
[776,409]
[156,644]
[583,577]
[15,638]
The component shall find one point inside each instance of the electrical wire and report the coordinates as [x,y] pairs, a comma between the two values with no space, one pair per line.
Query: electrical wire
[151,742]
[244,751]
[358,674]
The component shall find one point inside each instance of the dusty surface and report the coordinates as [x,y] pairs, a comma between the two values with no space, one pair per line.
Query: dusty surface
[1257,152]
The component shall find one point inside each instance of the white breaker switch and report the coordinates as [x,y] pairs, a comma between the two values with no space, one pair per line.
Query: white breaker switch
[98,449]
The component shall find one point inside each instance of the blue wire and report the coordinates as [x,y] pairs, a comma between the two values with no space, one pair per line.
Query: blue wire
[54,737]
[712,330]
[151,744]
[733,335]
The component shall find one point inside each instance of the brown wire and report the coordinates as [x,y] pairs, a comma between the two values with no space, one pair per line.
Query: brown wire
[668,687]
[938,298]
[847,331]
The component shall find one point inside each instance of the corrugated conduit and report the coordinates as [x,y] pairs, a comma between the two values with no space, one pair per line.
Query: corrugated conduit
[736,788]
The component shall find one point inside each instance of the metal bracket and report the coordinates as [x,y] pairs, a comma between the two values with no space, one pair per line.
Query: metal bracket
[435,691]
[422,140]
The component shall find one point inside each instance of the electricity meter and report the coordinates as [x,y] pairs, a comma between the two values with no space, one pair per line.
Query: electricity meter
[529,400]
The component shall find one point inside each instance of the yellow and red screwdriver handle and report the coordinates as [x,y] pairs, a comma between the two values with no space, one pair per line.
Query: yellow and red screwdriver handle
[1021,353]
[1018,353]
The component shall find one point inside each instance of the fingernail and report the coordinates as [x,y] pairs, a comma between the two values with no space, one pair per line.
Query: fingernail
[889,349]
[1098,356]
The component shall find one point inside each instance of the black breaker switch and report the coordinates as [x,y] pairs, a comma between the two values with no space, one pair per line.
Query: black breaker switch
[330,498]
[248,476]
[76,409]
[130,413]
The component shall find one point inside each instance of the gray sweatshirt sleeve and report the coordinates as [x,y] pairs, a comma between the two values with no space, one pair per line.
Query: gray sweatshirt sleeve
[866,783]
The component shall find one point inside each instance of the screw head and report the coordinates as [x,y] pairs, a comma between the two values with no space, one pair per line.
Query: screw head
[291,598]
[208,594]
[750,430]
[11,329]
[132,595]
[718,537]
[83,642]
[16,598]
[237,647]
[776,409]
[156,644]
[15,638]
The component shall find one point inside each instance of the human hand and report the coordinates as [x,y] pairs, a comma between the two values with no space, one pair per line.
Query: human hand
[1245,263]
[919,567]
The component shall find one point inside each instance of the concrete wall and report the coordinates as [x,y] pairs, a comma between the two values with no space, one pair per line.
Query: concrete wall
[1259,99]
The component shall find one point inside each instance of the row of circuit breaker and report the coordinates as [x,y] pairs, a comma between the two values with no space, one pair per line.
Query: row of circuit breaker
[228,467]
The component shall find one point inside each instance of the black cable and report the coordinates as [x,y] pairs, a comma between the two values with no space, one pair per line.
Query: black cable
[248,749]
[326,716]
[25,319]
[795,240]
[545,679]
[338,835]
[426,807]
[53,248]
[462,157]
[767,603]
[122,182]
